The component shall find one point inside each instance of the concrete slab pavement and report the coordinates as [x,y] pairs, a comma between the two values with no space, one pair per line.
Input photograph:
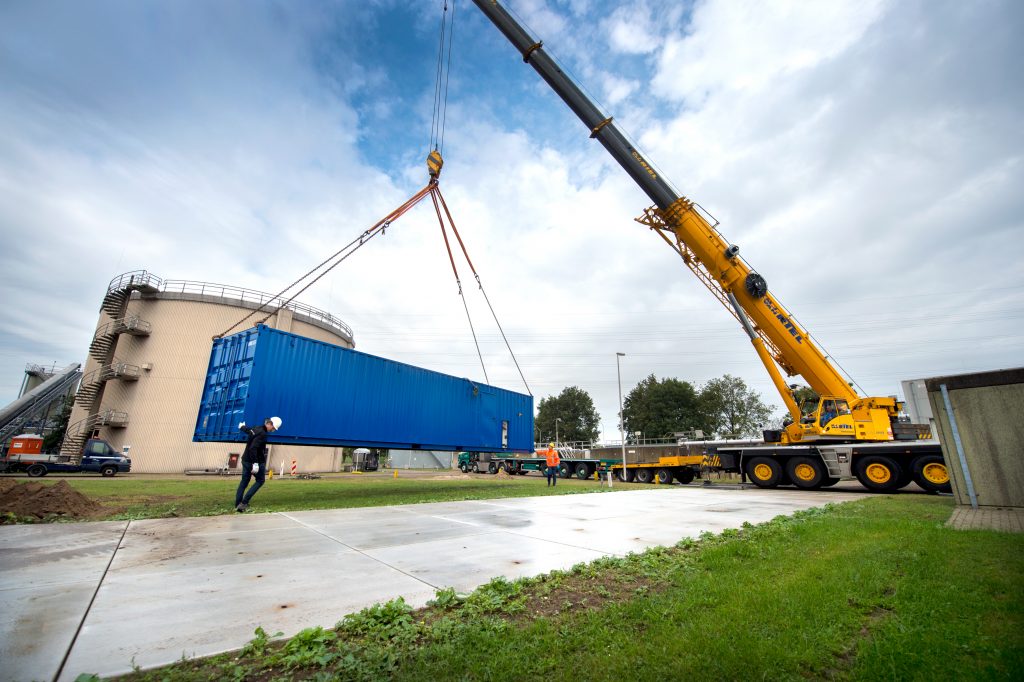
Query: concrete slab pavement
[108,596]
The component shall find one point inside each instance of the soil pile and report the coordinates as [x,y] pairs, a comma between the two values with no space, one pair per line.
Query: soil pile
[39,501]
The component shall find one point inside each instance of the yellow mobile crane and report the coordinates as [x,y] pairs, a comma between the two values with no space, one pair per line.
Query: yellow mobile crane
[843,434]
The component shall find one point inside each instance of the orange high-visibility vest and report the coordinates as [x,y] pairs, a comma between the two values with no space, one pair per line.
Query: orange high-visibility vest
[552,457]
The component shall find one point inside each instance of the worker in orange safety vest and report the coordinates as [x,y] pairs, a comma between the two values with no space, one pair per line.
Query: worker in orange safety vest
[551,455]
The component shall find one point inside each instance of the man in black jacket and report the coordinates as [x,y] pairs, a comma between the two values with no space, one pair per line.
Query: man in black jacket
[254,460]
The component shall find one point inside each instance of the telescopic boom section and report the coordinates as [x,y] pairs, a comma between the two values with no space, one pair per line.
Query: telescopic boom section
[700,245]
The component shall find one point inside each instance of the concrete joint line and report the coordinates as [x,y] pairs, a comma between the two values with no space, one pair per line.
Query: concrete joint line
[359,551]
[92,600]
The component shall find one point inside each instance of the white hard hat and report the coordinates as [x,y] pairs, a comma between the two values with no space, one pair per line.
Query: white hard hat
[276,421]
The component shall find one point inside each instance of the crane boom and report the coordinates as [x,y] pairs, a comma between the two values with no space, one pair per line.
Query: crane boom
[779,341]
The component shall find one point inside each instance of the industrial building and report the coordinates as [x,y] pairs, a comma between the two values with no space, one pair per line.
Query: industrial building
[147,362]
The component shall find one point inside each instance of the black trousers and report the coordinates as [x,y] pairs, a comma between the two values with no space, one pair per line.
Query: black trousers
[241,495]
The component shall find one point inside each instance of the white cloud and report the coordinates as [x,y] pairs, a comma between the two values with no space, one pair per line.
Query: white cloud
[865,156]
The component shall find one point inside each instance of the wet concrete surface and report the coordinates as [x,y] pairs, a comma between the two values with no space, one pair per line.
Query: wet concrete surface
[199,586]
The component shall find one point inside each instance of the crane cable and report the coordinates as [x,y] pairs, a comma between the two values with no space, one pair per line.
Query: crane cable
[435,190]
[458,281]
[439,110]
[380,227]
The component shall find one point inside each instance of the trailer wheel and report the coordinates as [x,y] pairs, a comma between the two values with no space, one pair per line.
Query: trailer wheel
[475,468]
[806,472]
[664,477]
[463,467]
[685,475]
[108,471]
[765,472]
[564,470]
[37,470]
[878,474]
[629,476]
[492,468]
[930,473]
[644,475]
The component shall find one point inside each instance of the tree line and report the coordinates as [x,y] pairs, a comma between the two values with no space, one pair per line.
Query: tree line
[659,408]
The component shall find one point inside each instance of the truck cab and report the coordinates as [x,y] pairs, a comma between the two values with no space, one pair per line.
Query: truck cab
[99,456]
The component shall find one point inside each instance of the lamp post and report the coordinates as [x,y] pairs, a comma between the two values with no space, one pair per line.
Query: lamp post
[557,442]
[622,433]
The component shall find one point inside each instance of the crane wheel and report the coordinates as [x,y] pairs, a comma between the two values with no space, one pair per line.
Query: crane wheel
[764,472]
[685,476]
[878,474]
[829,482]
[37,470]
[664,477]
[463,467]
[807,473]
[930,473]
[644,476]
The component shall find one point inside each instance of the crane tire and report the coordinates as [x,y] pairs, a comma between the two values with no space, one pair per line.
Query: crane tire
[807,473]
[685,475]
[764,472]
[644,476]
[463,467]
[829,482]
[664,476]
[628,478]
[931,473]
[492,468]
[878,474]
[36,470]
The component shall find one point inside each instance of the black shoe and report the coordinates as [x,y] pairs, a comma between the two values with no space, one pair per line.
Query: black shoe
[241,507]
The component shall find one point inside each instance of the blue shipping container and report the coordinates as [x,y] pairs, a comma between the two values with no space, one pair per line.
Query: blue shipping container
[329,395]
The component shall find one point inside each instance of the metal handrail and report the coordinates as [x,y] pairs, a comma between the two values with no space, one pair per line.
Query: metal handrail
[123,324]
[224,291]
[272,302]
[134,278]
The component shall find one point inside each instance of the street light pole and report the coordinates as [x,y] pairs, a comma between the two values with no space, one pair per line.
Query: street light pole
[622,433]
[557,442]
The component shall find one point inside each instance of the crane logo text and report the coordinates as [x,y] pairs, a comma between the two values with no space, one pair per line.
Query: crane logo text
[790,327]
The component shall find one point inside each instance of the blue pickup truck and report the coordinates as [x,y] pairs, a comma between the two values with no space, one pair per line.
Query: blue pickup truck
[98,457]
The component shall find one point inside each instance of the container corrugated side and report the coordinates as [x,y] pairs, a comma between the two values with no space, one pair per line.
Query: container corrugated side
[329,395]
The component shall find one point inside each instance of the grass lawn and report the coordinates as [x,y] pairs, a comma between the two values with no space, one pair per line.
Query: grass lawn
[140,497]
[873,589]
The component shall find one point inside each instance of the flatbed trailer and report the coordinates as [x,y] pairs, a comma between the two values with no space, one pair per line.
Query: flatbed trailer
[659,463]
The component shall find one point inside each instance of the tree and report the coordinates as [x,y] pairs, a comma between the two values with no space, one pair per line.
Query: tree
[733,409]
[573,411]
[659,409]
[53,440]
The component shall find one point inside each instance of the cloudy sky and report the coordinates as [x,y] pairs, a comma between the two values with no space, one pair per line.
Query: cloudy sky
[865,155]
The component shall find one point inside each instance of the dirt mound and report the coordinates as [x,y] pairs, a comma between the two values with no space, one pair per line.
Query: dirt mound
[40,501]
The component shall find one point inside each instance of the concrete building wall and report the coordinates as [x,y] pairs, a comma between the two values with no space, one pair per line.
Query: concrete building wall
[987,408]
[163,403]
